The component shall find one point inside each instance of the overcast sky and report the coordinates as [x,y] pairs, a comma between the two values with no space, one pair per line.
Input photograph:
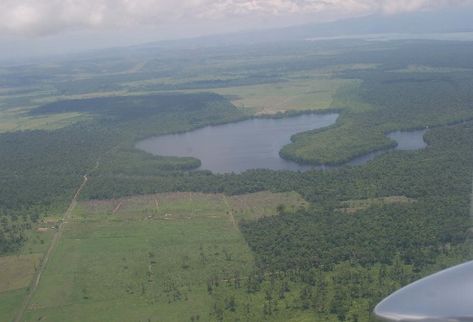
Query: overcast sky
[29,26]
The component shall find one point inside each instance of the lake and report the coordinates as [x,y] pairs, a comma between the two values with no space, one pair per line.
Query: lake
[236,147]
[255,143]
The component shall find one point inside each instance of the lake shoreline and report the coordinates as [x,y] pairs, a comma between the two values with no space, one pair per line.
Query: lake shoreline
[214,145]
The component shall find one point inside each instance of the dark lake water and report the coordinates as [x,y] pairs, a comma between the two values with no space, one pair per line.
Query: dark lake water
[255,143]
[236,147]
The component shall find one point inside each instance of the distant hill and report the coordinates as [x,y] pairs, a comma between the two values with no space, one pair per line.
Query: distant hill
[440,21]
[420,22]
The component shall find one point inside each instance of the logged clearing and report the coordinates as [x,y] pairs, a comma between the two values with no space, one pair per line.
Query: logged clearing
[161,257]
[186,205]
[353,206]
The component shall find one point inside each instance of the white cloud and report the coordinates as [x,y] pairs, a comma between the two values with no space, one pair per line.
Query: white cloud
[393,7]
[37,17]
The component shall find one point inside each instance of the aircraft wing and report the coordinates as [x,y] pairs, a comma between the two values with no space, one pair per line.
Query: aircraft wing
[444,296]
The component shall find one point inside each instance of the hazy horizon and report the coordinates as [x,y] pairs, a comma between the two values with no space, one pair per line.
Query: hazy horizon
[40,28]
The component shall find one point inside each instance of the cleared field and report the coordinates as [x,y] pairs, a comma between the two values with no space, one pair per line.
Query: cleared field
[163,257]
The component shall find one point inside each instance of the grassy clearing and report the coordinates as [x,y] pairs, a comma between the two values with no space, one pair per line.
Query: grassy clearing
[10,302]
[299,94]
[16,271]
[153,258]
[16,274]
[12,120]
[261,204]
